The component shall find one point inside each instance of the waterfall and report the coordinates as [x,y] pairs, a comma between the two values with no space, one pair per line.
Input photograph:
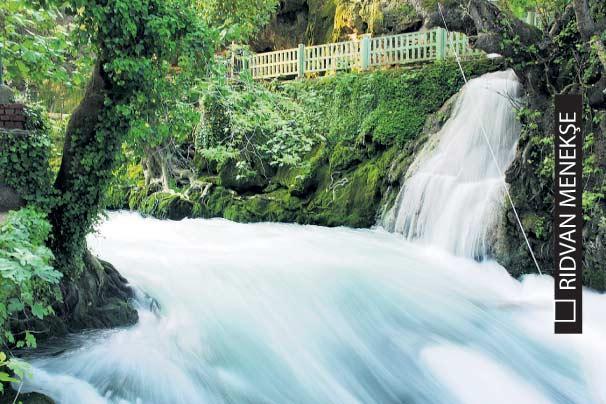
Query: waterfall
[453,190]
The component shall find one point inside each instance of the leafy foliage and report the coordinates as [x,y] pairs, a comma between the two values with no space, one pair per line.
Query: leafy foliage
[28,281]
[39,55]
[237,20]
[24,160]
[249,123]
[11,370]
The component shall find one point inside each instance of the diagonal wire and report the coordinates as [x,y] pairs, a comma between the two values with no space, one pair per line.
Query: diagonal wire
[492,152]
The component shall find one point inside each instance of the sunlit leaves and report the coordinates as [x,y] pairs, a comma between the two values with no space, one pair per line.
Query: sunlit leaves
[27,278]
[247,122]
[36,46]
[237,20]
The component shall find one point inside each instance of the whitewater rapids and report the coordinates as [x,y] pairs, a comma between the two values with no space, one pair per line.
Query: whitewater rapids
[277,313]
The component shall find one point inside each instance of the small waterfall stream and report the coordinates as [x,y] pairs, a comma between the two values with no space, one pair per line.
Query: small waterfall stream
[281,313]
[454,189]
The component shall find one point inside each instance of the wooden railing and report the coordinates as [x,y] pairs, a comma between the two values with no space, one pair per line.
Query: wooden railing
[362,53]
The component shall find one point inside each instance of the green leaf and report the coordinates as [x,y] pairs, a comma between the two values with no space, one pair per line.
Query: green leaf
[38,310]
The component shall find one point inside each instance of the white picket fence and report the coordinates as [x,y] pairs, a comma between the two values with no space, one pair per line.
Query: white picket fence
[362,53]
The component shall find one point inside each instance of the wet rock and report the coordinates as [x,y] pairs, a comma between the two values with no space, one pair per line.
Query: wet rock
[234,179]
[25,398]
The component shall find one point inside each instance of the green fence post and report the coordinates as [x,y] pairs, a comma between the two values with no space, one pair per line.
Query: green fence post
[440,43]
[301,60]
[365,52]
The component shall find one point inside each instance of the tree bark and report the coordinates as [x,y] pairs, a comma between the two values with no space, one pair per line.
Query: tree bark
[68,241]
[164,169]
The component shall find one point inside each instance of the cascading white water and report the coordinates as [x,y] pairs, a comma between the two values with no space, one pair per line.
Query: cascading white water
[280,314]
[454,189]
[270,313]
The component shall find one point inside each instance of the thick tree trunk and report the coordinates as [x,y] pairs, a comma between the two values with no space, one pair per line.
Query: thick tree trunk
[68,238]
[94,293]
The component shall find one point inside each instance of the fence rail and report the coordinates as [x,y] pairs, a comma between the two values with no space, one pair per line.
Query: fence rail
[361,53]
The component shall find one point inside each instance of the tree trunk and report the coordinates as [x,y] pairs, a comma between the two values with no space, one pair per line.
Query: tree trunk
[162,159]
[78,200]
[94,293]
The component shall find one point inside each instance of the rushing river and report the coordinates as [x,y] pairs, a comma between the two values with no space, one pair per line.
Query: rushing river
[277,313]
[280,314]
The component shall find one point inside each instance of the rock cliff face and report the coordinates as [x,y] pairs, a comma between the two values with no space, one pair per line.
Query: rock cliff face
[315,22]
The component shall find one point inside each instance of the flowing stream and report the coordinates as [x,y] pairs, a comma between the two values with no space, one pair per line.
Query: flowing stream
[281,313]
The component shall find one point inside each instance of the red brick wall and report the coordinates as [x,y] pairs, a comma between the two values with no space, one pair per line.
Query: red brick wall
[12,116]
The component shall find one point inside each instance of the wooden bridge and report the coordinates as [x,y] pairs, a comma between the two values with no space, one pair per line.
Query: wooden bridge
[362,54]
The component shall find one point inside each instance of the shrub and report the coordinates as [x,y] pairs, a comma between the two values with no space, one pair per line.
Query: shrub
[28,282]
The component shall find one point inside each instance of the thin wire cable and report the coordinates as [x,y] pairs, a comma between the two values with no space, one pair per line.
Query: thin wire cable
[494,158]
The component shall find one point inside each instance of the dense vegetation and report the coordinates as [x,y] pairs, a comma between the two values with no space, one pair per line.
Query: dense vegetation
[24,160]
[313,151]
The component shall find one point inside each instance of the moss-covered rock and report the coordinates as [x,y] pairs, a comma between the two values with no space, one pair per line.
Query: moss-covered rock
[352,198]
[233,178]
[304,179]
[166,205]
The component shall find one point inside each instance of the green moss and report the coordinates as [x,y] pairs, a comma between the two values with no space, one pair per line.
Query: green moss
[385,106]
[345,156]
[166,205]
[302,180]
[215,203]
[278,206]
[241,179]
[352,198]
